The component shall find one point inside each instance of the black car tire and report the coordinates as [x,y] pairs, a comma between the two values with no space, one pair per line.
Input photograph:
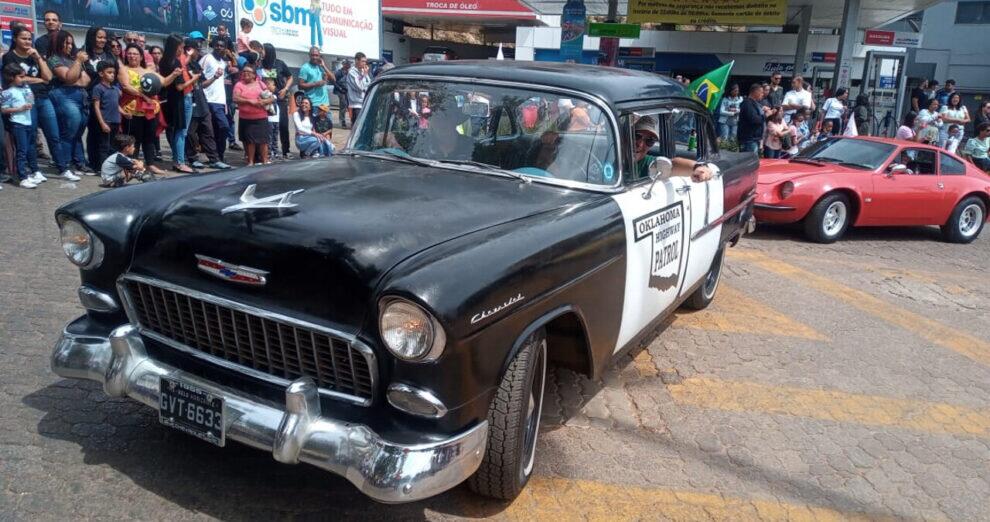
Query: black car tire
[705,294]
[818,226]
[958,230]
[514,423]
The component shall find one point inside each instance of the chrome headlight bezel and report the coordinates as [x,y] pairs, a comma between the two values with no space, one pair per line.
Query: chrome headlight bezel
[70,230]
[434,341]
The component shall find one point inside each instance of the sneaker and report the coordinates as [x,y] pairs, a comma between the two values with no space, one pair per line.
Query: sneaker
[37,177]
[220,165]
[26,183]
[84,170]
[288,156]
[316,155]
[197,165]
[236,146]
[4,178]
[68,175]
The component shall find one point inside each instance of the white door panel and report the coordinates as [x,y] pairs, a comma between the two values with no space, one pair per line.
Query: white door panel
[706,207]
[657,234]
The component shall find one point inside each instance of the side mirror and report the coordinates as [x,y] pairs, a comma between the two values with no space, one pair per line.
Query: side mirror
[660,168]
[897,168]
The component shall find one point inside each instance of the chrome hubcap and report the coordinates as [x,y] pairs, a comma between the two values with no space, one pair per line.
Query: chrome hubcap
[969,221]
[534,408]
[835,218]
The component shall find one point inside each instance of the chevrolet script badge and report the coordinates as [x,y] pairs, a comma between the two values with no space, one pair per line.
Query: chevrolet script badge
[250,202]
[229,272]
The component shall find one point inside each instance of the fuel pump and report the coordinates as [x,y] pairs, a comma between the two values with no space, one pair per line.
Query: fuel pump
[884,81]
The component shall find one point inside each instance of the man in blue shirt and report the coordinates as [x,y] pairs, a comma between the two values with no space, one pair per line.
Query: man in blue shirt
[314,76]
[945,93]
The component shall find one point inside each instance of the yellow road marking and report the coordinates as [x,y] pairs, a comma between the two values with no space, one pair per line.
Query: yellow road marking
[930,417]
[928,329]
[924,276]
[547,498]
[644,364]
[735,312]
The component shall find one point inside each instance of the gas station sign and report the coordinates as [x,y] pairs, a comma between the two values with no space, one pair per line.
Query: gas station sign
[706,12]
[891,38]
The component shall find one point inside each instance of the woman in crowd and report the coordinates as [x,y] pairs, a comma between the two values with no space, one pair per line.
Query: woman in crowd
[776,129]
[178,98]
[116,49]
[729,114]
[140,111]
[834,108]
[253,115]
[99,51]
[68,94]
[38,77]
[978,146]
[929,118]
[156,52]
[309,142]
[956,113]
[906,131]
[983,115]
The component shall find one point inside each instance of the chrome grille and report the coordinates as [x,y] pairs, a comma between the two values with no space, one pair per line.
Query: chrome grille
[274,345]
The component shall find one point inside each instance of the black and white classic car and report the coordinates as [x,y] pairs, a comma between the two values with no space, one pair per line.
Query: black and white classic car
[389,314]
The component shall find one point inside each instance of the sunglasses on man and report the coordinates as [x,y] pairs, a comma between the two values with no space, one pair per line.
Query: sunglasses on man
[648,140]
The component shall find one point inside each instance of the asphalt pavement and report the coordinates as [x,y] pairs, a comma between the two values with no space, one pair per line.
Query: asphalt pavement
[825,382]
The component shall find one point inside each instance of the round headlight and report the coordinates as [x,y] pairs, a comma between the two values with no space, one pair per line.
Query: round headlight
[410,332]
[77,242]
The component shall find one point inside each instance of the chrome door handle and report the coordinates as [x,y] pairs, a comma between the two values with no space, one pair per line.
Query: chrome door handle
[683,190]
[941,186]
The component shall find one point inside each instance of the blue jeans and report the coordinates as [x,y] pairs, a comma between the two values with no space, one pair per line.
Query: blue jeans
[772,153]
[727,130]
[27,152]
[750,146]
[221,129]
[70,105]
[43,115]
[309,145]
[181,130]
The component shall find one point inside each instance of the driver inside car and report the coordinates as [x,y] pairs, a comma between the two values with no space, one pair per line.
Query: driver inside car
[646,136]
[442,140]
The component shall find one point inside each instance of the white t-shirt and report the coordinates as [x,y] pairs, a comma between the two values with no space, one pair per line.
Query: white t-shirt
[802,98]
[215,93]
[833,108]
[304,125]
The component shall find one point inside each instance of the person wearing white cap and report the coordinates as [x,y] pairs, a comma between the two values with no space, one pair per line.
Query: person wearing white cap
[646,136]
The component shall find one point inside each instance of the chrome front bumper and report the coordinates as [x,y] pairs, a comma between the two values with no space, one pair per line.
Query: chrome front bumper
[385,471]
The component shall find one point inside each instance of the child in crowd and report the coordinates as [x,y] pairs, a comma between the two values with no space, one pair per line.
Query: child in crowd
[273,116]
[106,107]
[244,36]
[323,125]
[119,167]
[825,132]
[953,137]
[17,101]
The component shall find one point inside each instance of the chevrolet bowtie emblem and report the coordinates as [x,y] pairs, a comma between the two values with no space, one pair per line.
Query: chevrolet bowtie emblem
[249,202]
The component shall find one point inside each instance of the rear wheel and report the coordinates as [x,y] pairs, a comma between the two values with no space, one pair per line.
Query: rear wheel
[705,294]
[514,423]
[966,221]
[828,219]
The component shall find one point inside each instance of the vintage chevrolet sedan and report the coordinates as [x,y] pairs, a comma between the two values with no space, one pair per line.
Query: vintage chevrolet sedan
[389,314]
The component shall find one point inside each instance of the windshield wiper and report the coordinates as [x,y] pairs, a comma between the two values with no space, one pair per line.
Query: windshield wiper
[391,155]
[487,167]
[856,165]
[808,161]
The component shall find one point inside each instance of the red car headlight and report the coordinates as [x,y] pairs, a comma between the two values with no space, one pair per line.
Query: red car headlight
[786,189]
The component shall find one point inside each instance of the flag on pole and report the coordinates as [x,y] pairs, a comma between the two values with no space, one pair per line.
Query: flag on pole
[500,56]
[710,87]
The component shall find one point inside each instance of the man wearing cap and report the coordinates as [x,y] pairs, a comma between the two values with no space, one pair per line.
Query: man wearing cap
[646,136]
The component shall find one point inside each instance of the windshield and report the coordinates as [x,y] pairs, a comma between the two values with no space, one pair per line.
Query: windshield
[525,132]
[850,152]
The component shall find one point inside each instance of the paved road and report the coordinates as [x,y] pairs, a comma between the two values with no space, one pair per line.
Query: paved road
[840,381]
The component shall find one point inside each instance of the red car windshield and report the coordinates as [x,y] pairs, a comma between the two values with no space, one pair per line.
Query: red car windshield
[862,154]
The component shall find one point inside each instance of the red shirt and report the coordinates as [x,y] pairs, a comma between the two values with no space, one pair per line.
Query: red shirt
[250,91]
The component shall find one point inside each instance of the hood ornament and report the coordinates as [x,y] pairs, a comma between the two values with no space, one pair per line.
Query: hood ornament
[250,202]
[230,272]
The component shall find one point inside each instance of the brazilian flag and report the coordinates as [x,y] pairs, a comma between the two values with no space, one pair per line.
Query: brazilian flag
[710,87]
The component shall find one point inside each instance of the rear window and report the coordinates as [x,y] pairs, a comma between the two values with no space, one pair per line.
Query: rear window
[951,166]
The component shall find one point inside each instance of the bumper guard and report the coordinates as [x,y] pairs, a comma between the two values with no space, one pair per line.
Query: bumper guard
[385,471]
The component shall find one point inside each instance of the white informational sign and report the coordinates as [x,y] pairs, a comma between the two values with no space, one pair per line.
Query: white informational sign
[339,27]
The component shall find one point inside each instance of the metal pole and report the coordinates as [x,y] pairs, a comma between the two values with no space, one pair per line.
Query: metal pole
[847,43]
[802,40]
[609,47]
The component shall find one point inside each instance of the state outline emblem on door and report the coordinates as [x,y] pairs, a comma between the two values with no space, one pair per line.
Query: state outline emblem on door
[665,230]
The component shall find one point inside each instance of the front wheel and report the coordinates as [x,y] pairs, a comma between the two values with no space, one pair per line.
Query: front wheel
[828,219]
[514,423]
[705,294]
[966,221]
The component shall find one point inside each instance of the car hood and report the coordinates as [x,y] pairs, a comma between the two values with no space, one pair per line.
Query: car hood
[778,171]
[355,219]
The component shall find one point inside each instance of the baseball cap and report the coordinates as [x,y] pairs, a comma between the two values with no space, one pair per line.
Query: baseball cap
[647,124]
[197,34]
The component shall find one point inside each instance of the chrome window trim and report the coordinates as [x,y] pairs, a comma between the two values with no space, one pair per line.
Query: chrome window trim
[615,188]
[132,316]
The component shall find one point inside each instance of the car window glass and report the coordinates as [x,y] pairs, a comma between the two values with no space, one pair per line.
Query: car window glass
[950,166]
[684,126]
[918,161]
[851,152]
[544,135]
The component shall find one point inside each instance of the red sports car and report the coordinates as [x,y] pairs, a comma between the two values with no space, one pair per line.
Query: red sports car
[868,181]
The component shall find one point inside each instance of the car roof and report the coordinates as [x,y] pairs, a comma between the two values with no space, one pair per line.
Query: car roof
[613,85]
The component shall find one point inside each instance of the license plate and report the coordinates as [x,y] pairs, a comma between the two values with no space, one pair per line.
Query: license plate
[191,409]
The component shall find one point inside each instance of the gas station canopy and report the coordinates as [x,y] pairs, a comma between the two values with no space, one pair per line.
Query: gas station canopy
[825,13]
